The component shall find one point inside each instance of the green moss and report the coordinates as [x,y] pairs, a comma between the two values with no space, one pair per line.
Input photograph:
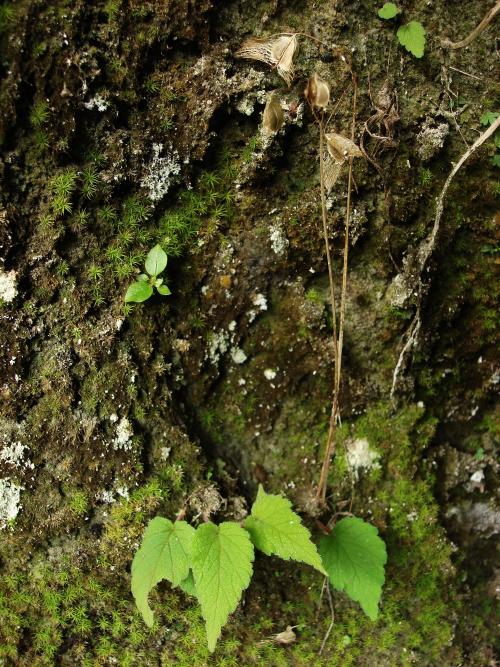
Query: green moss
[78,503]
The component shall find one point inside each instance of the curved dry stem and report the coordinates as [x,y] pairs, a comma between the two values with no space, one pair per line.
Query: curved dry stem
[477,30]
[426,250]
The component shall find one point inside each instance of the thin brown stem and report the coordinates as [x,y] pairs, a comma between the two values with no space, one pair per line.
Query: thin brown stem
[321,490]
[346,251]
[335,413]
[329,449]
[325,233]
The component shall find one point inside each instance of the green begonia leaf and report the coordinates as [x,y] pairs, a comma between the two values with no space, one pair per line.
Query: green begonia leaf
[354,556]
[412,37]
[164,554]
[388,11]
[187,585]
[222,567]
[276,529]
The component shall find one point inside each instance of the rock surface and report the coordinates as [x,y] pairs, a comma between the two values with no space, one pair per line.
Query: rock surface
[125,124]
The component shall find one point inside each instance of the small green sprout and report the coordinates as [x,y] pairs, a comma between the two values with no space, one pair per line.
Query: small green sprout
[411,35]
[388,11]
[142,289]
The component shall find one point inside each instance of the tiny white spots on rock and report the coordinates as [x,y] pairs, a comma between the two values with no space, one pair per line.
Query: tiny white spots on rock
[477,477]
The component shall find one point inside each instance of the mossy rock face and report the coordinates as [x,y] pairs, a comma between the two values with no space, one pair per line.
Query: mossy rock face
[123,125]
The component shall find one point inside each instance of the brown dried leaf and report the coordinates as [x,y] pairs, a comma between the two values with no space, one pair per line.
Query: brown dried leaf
[276,52]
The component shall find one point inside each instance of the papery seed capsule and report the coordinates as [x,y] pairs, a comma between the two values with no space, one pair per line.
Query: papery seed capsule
[273,116]
[340,147]
[317,92]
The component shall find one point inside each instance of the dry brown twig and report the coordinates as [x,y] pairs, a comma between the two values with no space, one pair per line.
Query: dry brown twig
[425,251]
[477,30]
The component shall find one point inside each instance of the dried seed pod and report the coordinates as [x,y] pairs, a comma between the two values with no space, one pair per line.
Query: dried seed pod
[273,116]
[317,92]
[276,52]
[341,148]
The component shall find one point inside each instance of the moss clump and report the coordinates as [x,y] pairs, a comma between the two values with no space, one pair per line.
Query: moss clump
[78,503]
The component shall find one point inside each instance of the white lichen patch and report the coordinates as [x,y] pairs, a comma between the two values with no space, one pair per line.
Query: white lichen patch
[399,291]
[279,241]
[269,374]
[246,105]
[165,453]
[161,173]
[238,355]
[97,102]
[10,495]
[124,433]
[219,344]
[8,286]
[106,497]
[260,301]
[431,138]
[360,455]
[14,454]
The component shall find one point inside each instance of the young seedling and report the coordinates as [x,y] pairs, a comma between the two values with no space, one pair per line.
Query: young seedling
[143,288]
[411,35]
